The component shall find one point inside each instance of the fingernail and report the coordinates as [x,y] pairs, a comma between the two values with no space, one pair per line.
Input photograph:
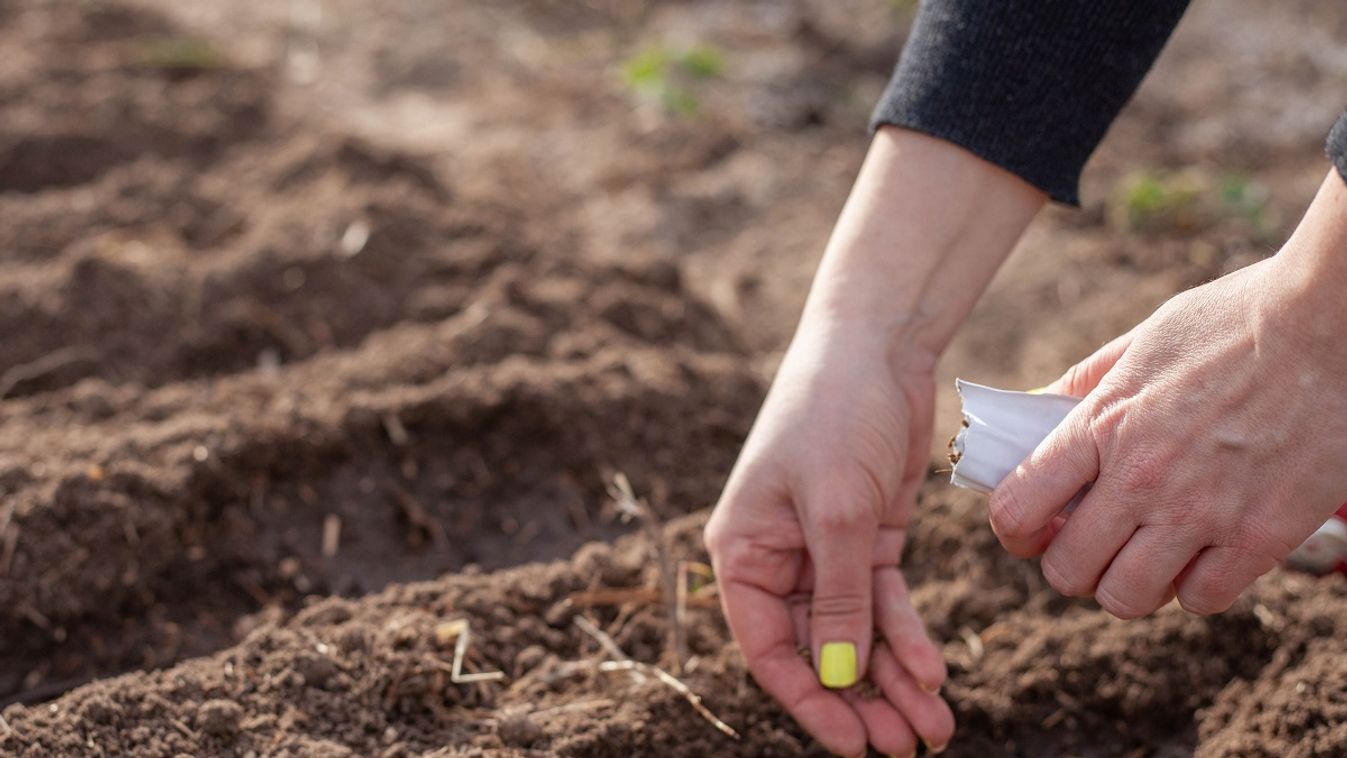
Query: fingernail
[928,689]
[1038,390]
[837,665]
[935,750]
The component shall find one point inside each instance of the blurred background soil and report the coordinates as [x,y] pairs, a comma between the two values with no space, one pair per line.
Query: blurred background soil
[325,322]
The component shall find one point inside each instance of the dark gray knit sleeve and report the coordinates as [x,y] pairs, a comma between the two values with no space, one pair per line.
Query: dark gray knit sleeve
[1337,146]
[1030,85]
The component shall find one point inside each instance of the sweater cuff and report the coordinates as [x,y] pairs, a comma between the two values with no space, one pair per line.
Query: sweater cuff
[1337,146]
[1029,85]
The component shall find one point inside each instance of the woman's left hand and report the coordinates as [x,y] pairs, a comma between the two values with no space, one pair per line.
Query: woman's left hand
[1213,437]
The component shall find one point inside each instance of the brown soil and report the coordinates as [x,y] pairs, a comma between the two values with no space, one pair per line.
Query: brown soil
[284,342]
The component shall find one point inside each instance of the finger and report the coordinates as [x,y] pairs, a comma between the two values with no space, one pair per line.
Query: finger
[1042,486]
[887,551]
[1141,578]
[761,622]
[887,730]
[1217,576]
[1087,543]
[1081,379]
[904,631]
[841,543]
[929,715]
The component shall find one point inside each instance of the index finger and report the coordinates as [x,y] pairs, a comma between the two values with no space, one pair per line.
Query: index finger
[761,622]
[1044,485]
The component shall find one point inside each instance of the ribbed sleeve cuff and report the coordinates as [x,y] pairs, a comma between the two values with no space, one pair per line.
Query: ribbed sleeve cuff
[1337,146]
[1029,85]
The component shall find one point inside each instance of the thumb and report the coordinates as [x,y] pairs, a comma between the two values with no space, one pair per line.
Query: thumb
[1081,379]
[840,542]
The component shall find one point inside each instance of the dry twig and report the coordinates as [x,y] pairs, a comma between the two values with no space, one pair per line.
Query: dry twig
[635,595]
[331,535]
[187,731]
[418,517]
[633,507]
[47,364]
[973,641]
[459,631]
[639,671]
[8,546]
[610,647]
[672,682]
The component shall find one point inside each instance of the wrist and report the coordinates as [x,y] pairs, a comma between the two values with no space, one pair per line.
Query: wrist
[1313,261]
[925,228]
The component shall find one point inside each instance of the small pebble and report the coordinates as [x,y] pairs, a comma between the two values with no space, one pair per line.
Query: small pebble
[520,731]
[219,717]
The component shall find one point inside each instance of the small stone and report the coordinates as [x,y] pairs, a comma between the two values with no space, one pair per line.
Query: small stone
[219,717]
[99,710]
[317,670]
[520,731]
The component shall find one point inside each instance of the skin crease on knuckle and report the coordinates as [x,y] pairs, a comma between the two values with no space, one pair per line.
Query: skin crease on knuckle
[1004,510]
[1064,581]
[1118,607]
[839,604]
[1202,601]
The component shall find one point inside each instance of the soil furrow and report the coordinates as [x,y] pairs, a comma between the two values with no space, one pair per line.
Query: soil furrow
[482,439]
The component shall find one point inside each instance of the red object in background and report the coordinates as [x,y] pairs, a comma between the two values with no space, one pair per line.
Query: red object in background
[1341,565]
[1325,551]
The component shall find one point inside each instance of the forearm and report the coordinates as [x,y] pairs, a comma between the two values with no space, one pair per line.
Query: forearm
[925,228]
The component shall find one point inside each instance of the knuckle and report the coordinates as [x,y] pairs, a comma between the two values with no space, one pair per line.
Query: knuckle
[1260,542]
[714,536]
[1205,594]
[1144,471]
[731,555]
[711,535]
[1105,418]
[1077,377]
[1190,513]
[835,605]
[1004,510]
[1063,581]
[1200,604]
[1115,604]
[841,519]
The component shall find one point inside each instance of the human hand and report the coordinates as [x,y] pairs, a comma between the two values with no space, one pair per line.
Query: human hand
[807,537]
[1213,437]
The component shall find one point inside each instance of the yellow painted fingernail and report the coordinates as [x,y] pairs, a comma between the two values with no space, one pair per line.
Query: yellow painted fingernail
[837,665]
[1038,390]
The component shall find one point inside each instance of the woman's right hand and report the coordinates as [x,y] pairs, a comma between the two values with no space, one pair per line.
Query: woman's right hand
[807,537]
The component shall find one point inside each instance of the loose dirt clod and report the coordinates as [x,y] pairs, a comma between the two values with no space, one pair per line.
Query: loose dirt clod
[219,718]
